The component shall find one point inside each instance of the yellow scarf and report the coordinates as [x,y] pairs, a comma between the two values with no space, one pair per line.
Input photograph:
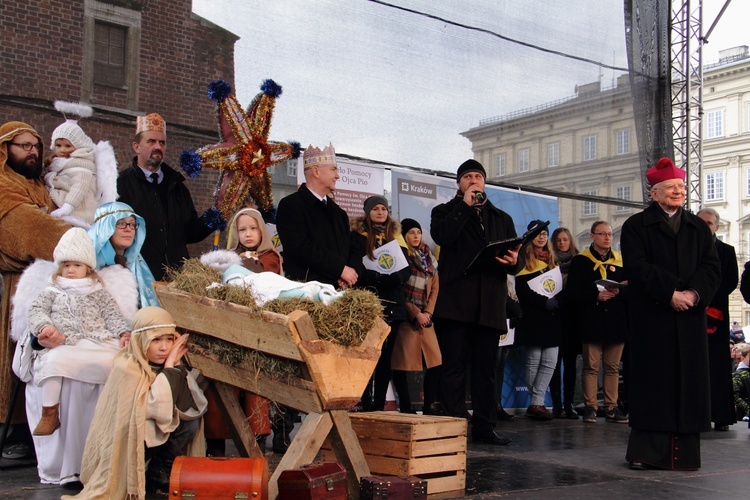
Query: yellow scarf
[540,266]
[615,260]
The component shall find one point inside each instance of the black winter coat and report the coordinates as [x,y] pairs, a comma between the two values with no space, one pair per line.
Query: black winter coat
[720,365]
[478,296]
[315,237]
[668,349]
[537,327]
[388,287]
[597,322]
[168,229]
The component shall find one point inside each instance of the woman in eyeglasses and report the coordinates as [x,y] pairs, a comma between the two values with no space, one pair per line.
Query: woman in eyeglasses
[118,234]
[538,329]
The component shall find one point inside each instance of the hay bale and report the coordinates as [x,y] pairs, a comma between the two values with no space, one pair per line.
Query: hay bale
[345,322]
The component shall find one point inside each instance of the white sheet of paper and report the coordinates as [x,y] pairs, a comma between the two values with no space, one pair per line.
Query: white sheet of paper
[548,284]
[507,338]
[388,259]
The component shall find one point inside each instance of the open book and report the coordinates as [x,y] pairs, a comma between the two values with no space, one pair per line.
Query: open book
[500,248]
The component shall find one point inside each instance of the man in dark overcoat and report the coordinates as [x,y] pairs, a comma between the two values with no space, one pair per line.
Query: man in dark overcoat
[313,229]
[470,310]
[717,317]
[673,272]
[158,193]
[314,232]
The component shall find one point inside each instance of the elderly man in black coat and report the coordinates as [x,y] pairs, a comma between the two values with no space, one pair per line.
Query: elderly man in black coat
[673,272]
[470,310]
[717,316]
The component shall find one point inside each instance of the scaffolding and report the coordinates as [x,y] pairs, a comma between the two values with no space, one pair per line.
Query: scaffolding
[686,43]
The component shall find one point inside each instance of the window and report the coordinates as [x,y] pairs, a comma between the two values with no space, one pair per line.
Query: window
[747,117]
[590,208]
[622,140]
[721,237]
[747,186]
[589,148]
[291,168]
[500,165]
[523,160]
[553,154]
[623,193]
[714,186]
[715,124]
[109,54]
[111,51]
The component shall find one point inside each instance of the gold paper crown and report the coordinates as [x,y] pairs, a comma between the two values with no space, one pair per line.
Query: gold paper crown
[150,122]
[314,157]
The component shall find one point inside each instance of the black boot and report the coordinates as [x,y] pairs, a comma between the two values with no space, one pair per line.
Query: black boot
[503,415]
[570,413]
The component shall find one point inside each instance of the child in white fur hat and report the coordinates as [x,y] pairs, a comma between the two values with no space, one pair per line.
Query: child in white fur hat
[77,325]
[72,169]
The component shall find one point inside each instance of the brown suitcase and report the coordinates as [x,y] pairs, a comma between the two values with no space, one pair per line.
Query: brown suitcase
[219,478]
[325,480]
[392,487]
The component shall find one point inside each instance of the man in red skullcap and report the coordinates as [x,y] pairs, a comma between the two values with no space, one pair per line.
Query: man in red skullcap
[673,272]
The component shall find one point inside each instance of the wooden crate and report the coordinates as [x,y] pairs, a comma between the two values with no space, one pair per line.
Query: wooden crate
[429,447]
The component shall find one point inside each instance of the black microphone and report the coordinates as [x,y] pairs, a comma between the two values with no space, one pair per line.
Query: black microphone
[479,196]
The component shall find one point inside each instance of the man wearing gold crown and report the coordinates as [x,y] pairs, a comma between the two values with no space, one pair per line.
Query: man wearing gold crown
[158,194]
[314,231]
[25,203]
[313,228]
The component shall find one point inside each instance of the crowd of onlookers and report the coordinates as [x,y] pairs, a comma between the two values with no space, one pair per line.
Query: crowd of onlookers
[101,359]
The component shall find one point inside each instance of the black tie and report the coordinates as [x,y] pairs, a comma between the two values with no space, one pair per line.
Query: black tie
[154,178]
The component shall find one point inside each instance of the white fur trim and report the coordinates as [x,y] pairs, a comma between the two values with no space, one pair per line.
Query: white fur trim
[106,172]
[74,108]
[32,282]
[221,259]
[118,281]
[121,284]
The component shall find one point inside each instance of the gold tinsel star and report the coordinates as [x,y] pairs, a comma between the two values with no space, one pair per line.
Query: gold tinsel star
[245,153]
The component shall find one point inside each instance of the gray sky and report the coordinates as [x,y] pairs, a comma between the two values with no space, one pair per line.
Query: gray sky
[398,87]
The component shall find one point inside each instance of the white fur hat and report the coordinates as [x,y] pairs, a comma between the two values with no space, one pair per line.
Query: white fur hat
[75,246]
[70,129]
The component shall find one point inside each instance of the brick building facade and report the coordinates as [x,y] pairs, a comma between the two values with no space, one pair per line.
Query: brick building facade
[123,57]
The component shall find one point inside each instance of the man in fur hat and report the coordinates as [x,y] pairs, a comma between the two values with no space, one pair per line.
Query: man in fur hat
[673,272]
[24,204]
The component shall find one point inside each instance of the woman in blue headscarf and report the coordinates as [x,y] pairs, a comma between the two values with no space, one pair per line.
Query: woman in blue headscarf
[118,234]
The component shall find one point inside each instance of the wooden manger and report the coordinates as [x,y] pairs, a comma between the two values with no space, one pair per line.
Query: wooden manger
[333,377]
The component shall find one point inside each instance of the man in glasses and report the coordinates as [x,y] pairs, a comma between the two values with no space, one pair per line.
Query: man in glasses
[673,272]
[27,232]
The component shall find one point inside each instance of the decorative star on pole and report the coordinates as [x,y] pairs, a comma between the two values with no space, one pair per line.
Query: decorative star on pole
[244,154]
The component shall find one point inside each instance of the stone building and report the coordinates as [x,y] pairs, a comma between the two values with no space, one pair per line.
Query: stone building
[125,58]
[584,144]
[725,179]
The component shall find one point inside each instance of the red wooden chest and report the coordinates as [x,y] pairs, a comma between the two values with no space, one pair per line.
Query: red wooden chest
[325,480]
[392,487]
[219,478]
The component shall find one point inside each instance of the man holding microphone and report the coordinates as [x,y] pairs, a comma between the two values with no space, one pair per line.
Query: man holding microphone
[470,310]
